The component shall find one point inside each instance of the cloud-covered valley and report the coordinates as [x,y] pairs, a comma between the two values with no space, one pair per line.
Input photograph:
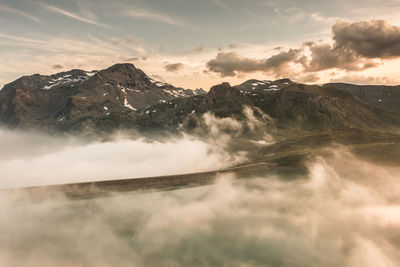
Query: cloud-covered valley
[344,213]
[32,158]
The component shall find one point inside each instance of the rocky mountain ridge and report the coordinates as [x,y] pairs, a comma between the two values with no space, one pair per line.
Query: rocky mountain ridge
[33,100]
[382,96]
[124,97]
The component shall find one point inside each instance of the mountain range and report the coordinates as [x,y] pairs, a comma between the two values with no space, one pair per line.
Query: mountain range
[300,119]
[123,96]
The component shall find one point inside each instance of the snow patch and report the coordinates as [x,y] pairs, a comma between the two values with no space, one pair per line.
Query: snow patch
[175,93]
[158,83]
[91,73]
[68,79]
[124,89]
[127,105]
[273,87]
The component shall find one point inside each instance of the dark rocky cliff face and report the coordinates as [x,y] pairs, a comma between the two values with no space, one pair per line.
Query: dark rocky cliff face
[224,100]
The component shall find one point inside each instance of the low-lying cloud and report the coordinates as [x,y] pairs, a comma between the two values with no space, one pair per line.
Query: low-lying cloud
[36,159]
[29,158]
[345,213]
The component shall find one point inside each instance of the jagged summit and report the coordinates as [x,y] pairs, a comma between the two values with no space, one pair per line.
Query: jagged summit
[78,94]
[122,66]
[223,100]
[123,69]
[221,88]
[220,91]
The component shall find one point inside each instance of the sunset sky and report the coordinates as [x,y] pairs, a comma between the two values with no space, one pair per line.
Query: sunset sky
[193,43]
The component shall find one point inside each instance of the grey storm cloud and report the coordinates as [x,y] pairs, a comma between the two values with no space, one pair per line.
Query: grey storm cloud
[228,64]
[173,67]
[356,46]
[326,57]
[370,39]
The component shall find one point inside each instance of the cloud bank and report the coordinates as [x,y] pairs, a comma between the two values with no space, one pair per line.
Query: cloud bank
[369,39]
[357,46]
[230,63]
[35,159]
[345,213]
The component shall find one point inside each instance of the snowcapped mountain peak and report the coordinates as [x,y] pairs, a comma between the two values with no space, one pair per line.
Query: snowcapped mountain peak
[70,78]
[78,94]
